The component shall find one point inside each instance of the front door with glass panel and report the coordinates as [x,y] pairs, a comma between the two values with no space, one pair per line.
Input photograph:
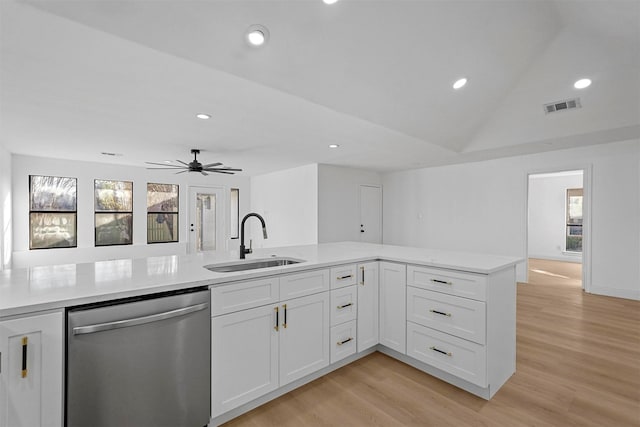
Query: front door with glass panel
[206,219]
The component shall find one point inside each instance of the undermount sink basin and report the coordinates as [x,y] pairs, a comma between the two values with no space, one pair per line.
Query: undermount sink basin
[251,264]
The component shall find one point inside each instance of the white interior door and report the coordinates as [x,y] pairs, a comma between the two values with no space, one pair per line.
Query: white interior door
[206,219]
[370,214]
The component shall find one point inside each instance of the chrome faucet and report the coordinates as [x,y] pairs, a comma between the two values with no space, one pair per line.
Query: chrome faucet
[244,251]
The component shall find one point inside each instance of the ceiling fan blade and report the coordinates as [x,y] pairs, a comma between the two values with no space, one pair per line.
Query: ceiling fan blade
[182,171]
[210,165]
[220,171]
[180,161]
[170,169]
[204,173]
[163,164]
[223,169]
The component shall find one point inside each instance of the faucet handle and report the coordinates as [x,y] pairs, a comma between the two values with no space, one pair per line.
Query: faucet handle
[250,250]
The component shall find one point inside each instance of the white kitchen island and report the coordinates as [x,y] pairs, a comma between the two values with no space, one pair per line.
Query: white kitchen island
[450,314]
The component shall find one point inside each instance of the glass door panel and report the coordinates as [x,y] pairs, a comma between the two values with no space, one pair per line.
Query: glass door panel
[206,222]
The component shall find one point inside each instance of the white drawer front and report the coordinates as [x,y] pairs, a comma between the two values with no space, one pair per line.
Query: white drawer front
[343,341]
[462,317]
[307,283]
[468,285]
[244,295]
[344,275]
[343,305]
[464,359]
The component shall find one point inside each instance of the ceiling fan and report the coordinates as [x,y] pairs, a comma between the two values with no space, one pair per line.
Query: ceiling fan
[196,166]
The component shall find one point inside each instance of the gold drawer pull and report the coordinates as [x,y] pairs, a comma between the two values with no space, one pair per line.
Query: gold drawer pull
[348,276]
[442,282]
[441,313]
[340,307]
[345,341]
[436,349]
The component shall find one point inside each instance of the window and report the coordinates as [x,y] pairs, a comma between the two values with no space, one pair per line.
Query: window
[234,203]
[162,213]
[113,212]
[574,220]
[52,212]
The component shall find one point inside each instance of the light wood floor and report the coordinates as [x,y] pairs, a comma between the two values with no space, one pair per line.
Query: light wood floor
[578,364]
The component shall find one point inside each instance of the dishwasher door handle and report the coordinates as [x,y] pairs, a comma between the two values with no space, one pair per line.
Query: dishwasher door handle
[99,327]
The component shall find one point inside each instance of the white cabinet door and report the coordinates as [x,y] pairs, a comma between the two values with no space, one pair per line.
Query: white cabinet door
[304,336]
[244,357]
[31,366]
[393,306]
[367,305]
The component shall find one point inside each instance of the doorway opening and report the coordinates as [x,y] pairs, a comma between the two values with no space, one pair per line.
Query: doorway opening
[206,219]
[558,228]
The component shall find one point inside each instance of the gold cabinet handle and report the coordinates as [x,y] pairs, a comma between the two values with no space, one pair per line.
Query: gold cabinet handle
[362,273]
[277,318]
[441,313]
[285,316]
[345,341]
[442,282]
[348,276]
[340,307]
[437,350]
[25,342]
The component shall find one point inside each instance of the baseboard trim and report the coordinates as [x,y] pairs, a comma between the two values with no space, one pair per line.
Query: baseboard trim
[567,258]
[615,292]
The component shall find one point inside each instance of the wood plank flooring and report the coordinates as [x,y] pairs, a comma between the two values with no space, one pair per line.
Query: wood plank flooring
[578,364]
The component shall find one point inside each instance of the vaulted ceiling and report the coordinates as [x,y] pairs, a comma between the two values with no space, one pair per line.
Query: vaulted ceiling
[375,77]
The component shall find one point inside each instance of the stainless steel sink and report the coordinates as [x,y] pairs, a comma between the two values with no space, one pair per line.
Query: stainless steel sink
[251,264]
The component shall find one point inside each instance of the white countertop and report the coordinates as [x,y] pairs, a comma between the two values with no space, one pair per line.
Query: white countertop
[34,289]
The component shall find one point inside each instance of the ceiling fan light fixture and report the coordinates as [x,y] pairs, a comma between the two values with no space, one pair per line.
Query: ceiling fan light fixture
[257,35]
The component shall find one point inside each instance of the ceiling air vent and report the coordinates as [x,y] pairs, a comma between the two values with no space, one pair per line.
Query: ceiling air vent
[568,104]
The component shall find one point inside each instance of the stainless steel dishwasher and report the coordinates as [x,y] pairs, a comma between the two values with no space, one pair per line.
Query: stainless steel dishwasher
[140,362]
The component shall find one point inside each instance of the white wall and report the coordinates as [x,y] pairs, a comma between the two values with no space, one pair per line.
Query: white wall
[86,172]
[288,202]
[6,234]
[547,210]
[481,207]
[338,201]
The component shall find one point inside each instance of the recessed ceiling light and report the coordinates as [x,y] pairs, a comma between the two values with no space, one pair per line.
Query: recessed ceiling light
[203,116]
[459,83]
[257,35]
[167,161]
[106,153]
[330,1]
[333,146]
[582,83]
